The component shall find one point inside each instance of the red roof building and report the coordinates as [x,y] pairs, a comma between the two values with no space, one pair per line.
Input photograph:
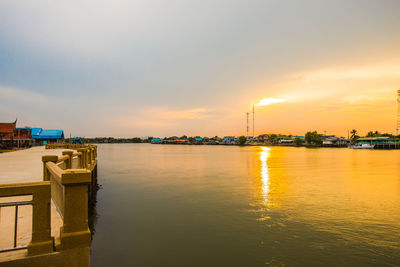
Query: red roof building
[7,129]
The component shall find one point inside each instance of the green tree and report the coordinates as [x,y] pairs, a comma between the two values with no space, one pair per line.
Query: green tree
[353,133]
[386,135]
[313,138]
[298,141]
[272,138]
[371,134]
[354,136]
[136,140]
[242,140]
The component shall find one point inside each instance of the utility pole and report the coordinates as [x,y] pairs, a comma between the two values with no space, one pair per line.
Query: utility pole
[247,127]
[253,120]
[398,113]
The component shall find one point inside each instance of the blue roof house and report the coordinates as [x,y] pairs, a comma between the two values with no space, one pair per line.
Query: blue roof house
[47,135]
[36,132]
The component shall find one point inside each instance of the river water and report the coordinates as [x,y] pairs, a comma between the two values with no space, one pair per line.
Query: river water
[177,205]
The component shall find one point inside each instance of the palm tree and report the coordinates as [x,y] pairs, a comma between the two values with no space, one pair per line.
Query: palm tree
[353,133]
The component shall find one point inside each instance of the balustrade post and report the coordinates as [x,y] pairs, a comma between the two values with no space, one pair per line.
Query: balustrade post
[85,166]
[75,231]
[69,161]
[95,152]
[81,158]
[45,159]
[89,159]
[41,242]
[92,154]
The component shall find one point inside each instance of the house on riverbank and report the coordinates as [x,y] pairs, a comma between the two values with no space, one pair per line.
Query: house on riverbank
[43,136]
[7,130]
[379,142]
[13,137]
[334,141]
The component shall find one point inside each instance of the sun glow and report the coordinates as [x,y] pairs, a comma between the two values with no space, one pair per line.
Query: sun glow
[269,101]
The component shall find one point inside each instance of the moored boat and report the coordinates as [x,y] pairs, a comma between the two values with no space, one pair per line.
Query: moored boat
[363,146]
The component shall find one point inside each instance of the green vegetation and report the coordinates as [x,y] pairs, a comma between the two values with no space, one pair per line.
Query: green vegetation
[110,140]
[242,140]
[372,134]
[378,134]
[298,141]
[354,136]
[313,138]
[272,138]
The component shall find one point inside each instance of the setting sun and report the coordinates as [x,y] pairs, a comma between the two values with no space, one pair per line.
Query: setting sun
[269,101]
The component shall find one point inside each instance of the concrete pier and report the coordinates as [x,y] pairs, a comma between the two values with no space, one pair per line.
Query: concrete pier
[44,196]
[20,167]
[24,165]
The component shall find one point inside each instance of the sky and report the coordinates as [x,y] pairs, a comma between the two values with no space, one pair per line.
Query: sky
[161,68]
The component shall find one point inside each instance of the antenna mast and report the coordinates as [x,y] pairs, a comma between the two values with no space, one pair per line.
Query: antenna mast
[253,120]
[398,113]
[247,127]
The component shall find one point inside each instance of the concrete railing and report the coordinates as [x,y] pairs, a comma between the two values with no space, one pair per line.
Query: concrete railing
[69,190]
[66,146]
[41,241]
[69,180]
[84,158]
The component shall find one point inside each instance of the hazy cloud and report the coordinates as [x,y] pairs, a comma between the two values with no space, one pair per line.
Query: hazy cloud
[14,95]
[127,68]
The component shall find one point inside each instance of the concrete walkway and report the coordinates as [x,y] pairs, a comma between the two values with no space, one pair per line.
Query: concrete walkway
[24,165]
[19,167]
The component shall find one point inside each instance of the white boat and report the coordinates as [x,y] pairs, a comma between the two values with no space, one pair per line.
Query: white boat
[363,146]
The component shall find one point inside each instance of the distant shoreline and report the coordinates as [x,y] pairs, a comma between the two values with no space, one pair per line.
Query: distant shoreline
[256,144]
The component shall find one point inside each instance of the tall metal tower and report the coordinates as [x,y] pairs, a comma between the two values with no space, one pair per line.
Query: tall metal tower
[253,120]
[247,127]
[398,113]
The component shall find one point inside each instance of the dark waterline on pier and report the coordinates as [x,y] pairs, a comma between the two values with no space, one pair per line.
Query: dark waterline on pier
[246,206]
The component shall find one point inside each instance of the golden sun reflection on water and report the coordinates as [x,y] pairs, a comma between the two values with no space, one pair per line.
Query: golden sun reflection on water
[264,154]
[347,193]
[270,183]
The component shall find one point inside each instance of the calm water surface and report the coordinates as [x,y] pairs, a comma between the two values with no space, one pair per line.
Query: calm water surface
[176,205]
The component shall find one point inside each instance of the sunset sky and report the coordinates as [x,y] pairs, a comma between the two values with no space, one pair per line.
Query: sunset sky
[160,68]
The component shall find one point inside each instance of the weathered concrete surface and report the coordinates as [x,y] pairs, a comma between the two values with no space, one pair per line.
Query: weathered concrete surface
[79,257]
[24,233]
[73,239]
[18,167]
[24,165]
